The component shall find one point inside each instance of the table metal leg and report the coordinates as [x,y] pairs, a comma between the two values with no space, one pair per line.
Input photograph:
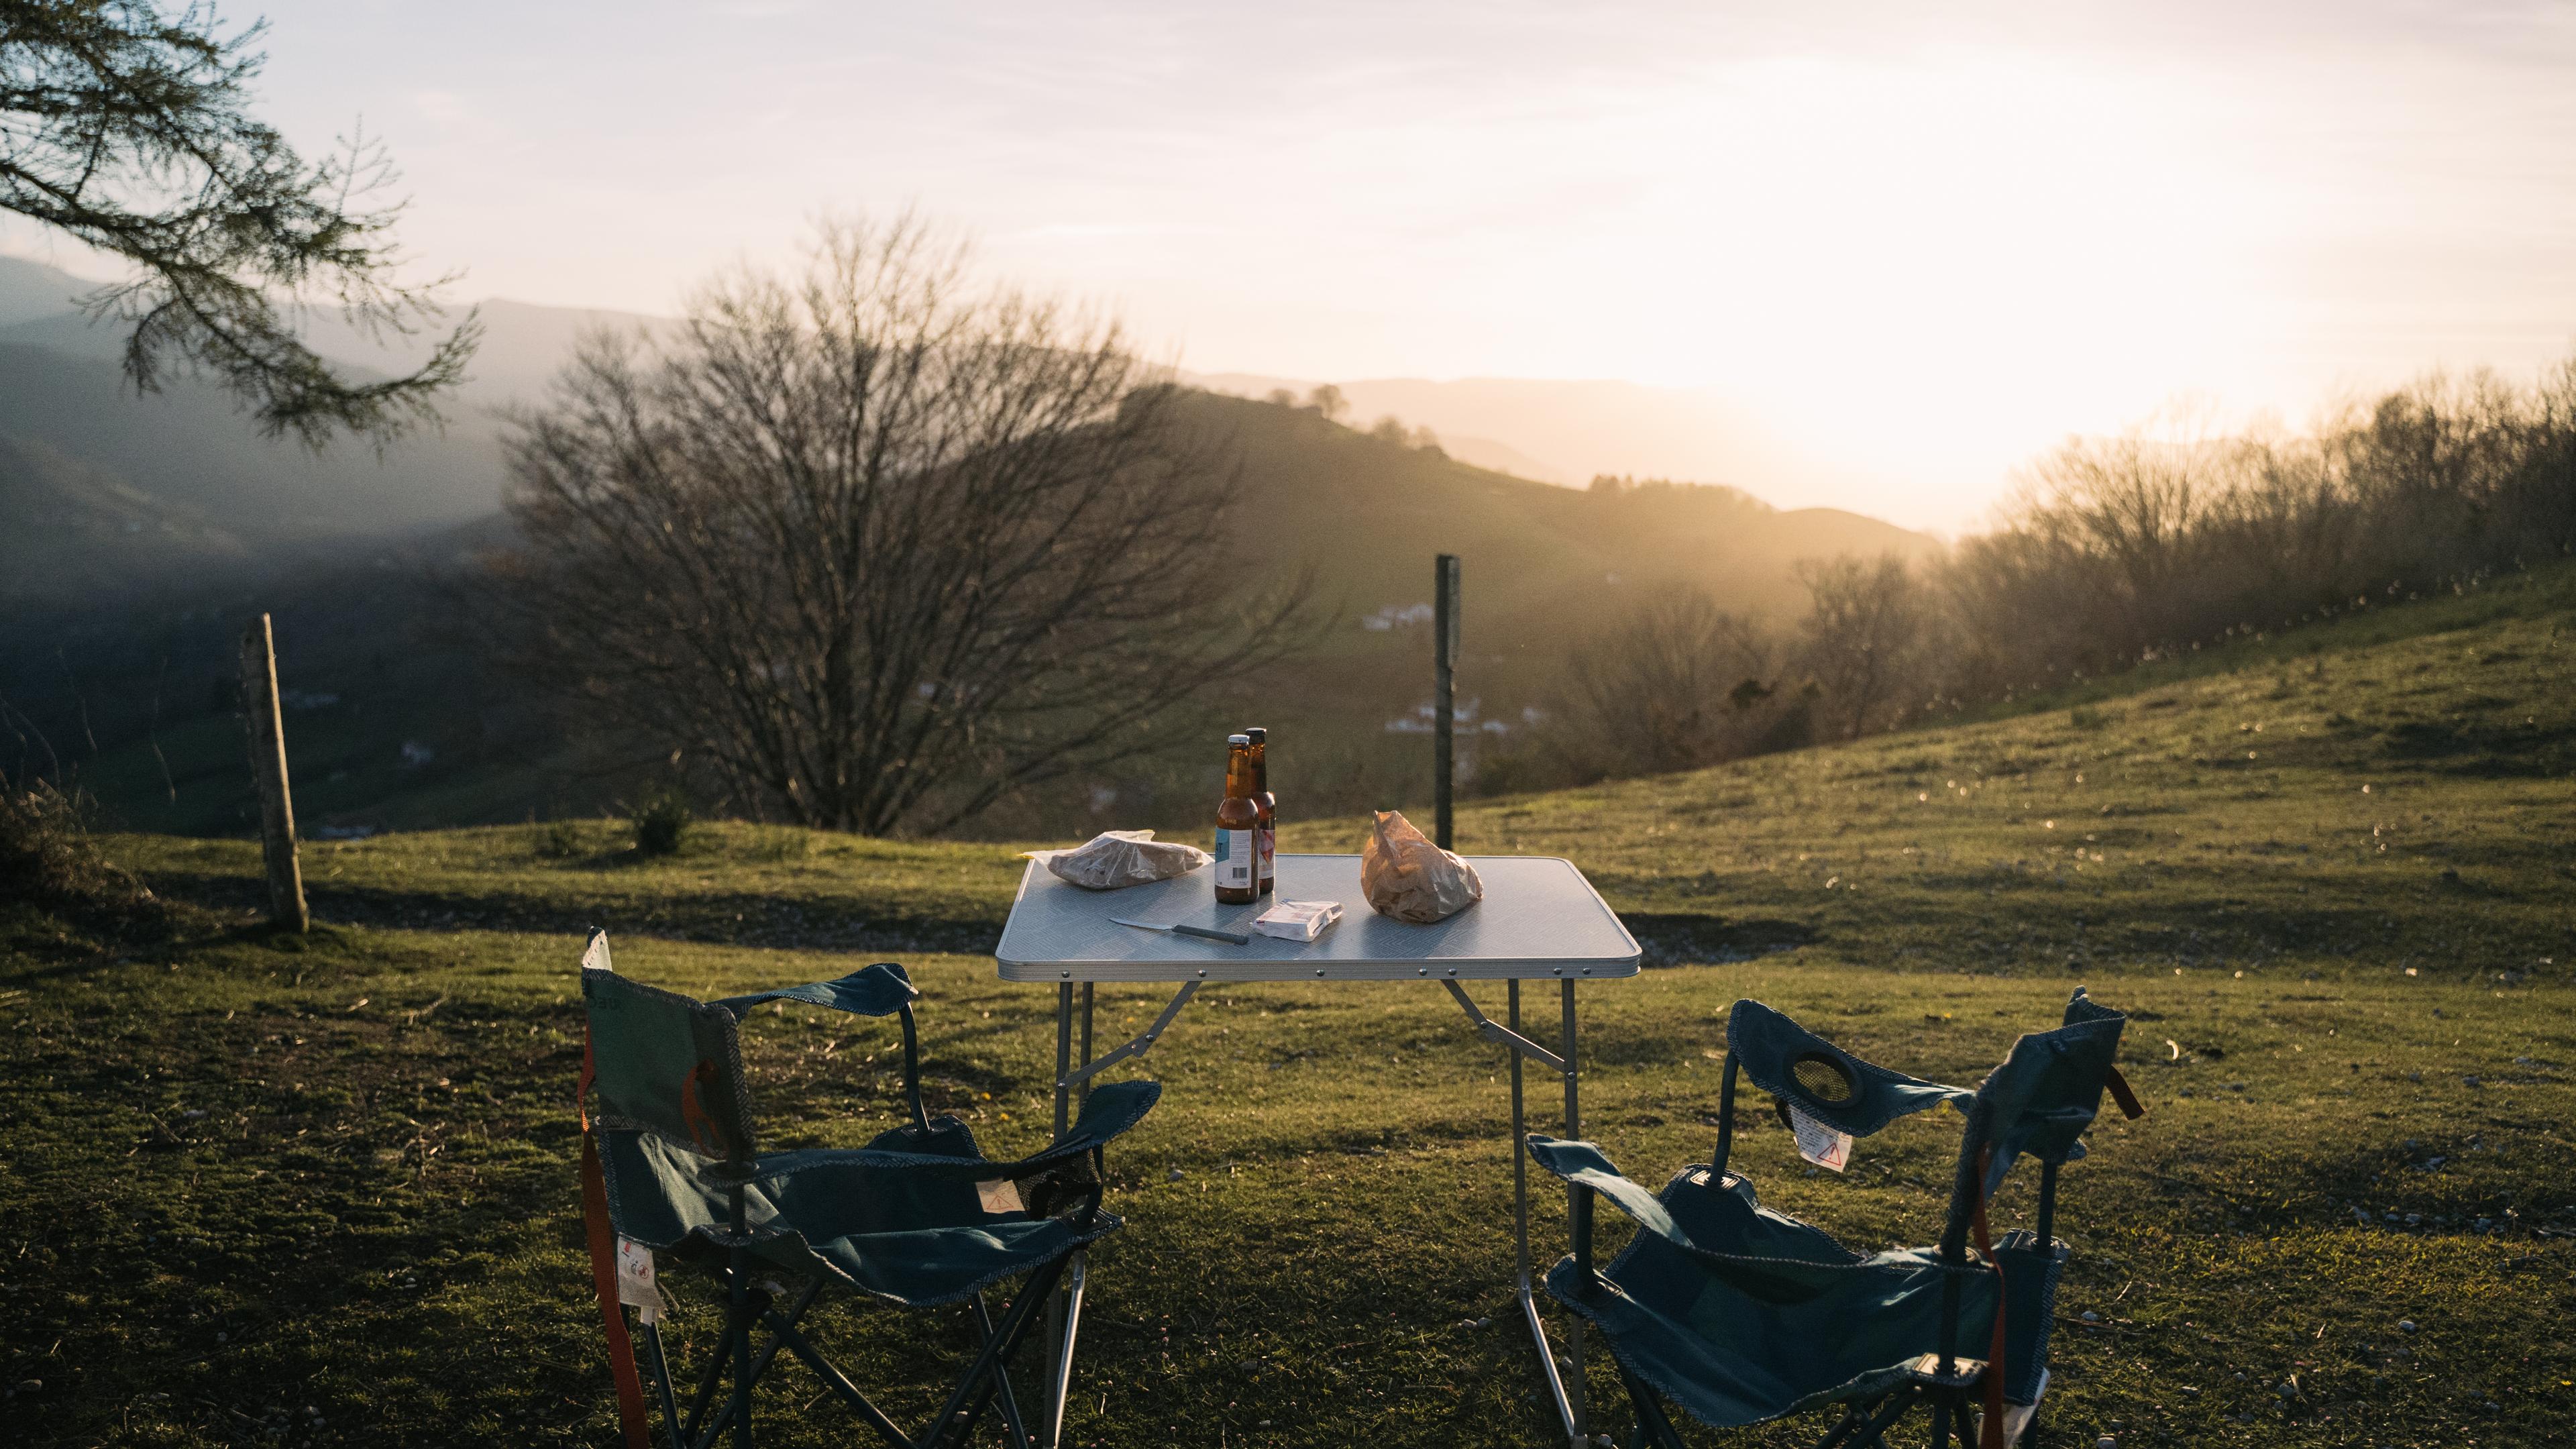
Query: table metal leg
[1520,1153]
[1580,1426]
[1086,1039]
[1567,1409]
[1063,1056]
[1053,1407]
[1065,1326]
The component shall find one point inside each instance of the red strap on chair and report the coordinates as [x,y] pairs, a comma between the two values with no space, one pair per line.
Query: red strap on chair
[1990,1433]
[2130,1107]
[603,1269]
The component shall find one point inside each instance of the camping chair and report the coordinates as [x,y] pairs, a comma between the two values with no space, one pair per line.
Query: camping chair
[917,1218]
[1741,1314]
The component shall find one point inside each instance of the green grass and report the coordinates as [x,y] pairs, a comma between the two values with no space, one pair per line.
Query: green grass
[2331,886]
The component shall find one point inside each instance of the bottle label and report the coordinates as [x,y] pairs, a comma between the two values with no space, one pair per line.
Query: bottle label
[1236,859]
[1268,839]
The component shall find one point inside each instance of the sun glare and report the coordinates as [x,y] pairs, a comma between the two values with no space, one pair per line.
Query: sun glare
[1961,253]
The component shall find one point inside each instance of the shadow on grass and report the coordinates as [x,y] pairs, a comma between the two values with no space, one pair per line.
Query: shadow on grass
[1675,939]
[738,918]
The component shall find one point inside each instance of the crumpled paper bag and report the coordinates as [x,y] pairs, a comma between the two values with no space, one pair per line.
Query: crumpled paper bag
[1116,858]
[1409,878]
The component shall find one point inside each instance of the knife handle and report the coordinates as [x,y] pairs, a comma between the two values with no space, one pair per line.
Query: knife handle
[1203,933]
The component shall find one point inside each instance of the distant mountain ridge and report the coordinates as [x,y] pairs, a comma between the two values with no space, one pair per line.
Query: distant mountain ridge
[74,530]
[1570,431]
[32,289]
[189,452]
[421,729]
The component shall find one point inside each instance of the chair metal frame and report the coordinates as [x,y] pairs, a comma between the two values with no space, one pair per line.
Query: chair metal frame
[1962,1393]
[762,1318]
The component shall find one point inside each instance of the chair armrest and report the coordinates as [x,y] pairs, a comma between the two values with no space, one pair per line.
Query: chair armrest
[879,990]
[1110,1112]
[1107,1114]
[1585,1167]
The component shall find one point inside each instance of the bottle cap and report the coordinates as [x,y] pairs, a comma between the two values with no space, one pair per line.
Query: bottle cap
[1257,735]
[1238,739]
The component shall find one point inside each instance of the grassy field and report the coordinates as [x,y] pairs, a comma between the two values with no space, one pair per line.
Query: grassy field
[266,1190]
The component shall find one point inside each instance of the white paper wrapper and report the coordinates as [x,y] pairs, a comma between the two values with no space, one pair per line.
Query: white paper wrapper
[1297,920]
[635,1286]
[1116,858]
[1827,1147]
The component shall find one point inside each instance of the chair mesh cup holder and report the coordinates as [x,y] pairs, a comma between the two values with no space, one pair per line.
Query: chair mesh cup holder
[1824,1078]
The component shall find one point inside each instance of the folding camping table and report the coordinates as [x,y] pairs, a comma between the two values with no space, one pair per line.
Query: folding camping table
[1540,920]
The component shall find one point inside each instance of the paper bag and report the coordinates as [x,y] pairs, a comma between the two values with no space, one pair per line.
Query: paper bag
[1116,858]
[1409,878]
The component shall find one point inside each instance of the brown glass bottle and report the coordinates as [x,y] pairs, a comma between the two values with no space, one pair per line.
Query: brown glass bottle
[1238,820]
[1266,833]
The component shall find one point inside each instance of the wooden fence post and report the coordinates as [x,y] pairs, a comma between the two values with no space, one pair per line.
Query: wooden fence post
[268,770]
[1444,664]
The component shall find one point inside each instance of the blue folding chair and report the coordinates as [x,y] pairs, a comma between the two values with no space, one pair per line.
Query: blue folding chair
[918,1218]
[1740,1314]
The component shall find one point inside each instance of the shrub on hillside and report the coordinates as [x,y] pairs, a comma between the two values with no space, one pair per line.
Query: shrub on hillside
[662,824]
[48,859]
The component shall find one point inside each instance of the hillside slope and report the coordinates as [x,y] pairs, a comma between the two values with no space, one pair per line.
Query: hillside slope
[30,290]
[189,447]
[2331,891]
[69,530]
[1362,518]
[2378,805]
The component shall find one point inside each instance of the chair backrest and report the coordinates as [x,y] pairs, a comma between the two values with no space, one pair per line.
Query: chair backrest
[2049,1089]
[2036,1103]
[664,1063]
[1803,1070]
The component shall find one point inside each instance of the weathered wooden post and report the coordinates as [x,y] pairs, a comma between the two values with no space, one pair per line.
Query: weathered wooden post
[268,770]
[1444,660]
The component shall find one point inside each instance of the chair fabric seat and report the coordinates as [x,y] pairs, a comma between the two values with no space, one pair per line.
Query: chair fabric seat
[901,1219]
[1764,1315]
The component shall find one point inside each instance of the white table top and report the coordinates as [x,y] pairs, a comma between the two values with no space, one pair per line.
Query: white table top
[1539,919]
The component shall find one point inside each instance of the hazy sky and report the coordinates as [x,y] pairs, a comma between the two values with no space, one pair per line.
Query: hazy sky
[1924,240]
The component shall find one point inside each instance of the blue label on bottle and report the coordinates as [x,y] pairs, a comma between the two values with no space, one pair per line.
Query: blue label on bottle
[1236,858]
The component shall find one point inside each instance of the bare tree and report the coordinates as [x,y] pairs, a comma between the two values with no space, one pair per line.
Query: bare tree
[877,545]
[125,124]
[1674,685]
[1864,622]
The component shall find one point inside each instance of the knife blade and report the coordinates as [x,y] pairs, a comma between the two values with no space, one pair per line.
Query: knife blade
[1177,929]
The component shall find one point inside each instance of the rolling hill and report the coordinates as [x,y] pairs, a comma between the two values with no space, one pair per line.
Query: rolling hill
[136,533]
[365,628]
[30,290]
[188,446]
[77,531]
[1566,431]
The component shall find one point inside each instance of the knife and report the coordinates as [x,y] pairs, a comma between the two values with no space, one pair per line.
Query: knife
[1229,937]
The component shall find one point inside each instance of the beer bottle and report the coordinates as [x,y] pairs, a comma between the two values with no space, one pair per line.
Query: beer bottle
[1267,832]
[1238,855]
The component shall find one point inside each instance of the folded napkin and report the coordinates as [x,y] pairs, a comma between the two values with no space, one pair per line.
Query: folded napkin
[1297,920]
